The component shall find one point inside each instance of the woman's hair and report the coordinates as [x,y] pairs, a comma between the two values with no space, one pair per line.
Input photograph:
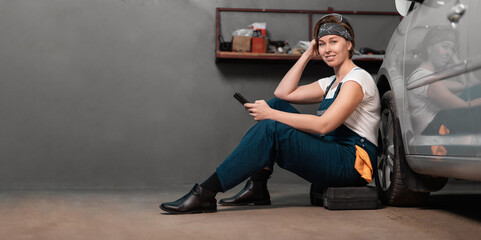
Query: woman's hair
[434,35]
[334,18]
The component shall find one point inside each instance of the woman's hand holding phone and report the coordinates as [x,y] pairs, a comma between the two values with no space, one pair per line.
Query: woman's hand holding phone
[260,110]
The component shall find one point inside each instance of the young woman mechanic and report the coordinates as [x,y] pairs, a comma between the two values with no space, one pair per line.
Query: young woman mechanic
[335,148]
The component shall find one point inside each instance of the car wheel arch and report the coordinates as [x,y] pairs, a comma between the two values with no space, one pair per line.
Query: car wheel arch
[383,85]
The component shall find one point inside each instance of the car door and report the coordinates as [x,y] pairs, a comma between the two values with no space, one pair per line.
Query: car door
[474,72]
[435,79]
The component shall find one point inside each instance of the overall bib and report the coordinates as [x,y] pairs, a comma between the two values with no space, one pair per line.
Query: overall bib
[327,161]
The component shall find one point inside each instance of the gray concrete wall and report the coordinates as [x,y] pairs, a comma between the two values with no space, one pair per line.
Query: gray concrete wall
[126,93]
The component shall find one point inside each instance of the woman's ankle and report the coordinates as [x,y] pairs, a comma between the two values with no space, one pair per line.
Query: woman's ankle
[212,184]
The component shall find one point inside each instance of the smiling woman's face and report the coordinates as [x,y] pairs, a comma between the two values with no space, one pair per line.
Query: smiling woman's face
[440,53]
[334,49]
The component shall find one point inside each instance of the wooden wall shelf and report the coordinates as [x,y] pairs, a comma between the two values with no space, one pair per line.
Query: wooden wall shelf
[226,56]
[279,56]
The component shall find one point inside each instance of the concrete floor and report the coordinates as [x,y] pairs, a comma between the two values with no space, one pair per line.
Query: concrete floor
[453,213]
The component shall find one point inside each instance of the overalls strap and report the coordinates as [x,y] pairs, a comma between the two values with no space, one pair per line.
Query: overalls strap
[328,88]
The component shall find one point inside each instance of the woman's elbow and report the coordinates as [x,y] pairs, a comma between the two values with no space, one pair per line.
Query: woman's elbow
[280,95]
[316,131]
[323,129]
[320,131]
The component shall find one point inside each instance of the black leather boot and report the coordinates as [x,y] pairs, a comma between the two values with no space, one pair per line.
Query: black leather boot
[253,193]
[198,200]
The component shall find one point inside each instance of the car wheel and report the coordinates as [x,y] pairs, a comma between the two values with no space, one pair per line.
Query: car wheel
[389,181]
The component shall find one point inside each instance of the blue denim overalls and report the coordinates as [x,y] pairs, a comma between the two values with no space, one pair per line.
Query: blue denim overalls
[322,160]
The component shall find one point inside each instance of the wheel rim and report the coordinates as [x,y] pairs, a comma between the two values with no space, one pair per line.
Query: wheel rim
[385,163]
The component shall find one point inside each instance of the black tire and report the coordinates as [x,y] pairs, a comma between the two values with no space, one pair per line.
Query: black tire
[388,176]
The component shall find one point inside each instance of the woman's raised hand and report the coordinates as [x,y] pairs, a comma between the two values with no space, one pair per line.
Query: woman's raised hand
[310,50]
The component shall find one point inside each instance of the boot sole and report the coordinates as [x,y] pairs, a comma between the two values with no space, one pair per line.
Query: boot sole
[189,212]
[256,203]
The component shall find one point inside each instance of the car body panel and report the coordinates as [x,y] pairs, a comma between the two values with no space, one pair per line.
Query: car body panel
[454,167]
[433,66]
[474,66]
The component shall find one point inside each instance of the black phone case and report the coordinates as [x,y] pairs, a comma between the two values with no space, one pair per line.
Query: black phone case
[240,98]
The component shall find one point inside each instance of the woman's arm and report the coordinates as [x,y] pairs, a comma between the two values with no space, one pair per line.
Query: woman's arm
[288,88]
[443,97]
[349,97]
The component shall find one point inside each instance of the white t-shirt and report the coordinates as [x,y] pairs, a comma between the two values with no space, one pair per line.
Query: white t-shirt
[366,117]
[422,109]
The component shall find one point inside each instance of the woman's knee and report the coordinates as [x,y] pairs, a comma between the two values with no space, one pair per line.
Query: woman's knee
[279,104]
[267,123]
[263,129]
[273,102]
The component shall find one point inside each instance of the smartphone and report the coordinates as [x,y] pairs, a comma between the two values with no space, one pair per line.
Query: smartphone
[240,98]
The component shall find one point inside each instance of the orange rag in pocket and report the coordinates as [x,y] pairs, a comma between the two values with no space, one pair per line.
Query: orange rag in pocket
[363,164]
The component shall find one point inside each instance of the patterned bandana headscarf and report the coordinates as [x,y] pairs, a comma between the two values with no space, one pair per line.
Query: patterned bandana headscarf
[332,28]
[439,34]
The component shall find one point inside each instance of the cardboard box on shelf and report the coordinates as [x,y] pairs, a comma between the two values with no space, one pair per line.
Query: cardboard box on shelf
[259,44]
[241,44]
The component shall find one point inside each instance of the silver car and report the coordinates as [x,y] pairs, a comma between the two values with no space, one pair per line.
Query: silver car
[430,83]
